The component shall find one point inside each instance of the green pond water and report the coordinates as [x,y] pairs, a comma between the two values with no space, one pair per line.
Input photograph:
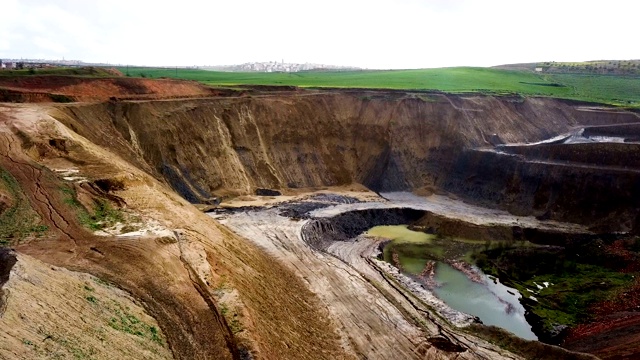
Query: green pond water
[417,247]
[401,234]
[494,303]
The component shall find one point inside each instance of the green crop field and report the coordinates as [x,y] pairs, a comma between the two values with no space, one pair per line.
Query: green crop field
[618,90]
[609,89]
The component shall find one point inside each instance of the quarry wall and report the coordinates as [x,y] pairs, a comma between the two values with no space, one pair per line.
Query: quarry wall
[388,141]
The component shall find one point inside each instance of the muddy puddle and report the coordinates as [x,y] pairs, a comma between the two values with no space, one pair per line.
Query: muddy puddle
[443,266]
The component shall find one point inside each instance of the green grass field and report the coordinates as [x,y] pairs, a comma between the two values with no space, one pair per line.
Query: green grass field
[609,89]
[620,90]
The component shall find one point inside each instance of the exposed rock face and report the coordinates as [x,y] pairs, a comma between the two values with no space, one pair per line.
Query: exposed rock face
[579,193]
[388,142]
[384,140]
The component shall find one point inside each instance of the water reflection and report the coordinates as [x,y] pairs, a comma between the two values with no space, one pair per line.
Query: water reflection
[494,303]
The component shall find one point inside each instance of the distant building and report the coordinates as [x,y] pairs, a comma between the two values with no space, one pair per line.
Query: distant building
[538,69]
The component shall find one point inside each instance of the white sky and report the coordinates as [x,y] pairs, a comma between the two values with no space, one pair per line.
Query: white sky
[364,33]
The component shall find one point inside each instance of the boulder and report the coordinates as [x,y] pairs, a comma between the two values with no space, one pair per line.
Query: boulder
[267,192]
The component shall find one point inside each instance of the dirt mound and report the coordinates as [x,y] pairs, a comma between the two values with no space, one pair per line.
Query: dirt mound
[97,89]
[114,72]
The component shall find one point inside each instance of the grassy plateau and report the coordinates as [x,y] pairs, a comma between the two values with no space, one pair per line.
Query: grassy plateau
[620,90]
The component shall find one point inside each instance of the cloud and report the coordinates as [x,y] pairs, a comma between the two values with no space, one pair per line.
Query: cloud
[374,33]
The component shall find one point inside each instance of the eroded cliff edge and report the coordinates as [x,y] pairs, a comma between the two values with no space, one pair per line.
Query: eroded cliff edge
[386,140]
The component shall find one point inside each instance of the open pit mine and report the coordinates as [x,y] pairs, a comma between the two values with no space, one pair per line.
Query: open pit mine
[148,219]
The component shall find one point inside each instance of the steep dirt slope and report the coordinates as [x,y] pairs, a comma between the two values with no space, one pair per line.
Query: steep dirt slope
[384,140]
[180,275]
[212,293]
[155,277]
[100,321]
[315,139]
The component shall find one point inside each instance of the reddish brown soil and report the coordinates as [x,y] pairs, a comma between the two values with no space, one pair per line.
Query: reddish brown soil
[428,274]
[612,337]
[615,332]
[466,269]
[96,89]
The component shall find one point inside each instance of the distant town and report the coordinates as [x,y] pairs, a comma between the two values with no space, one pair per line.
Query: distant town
[17,64]
[275,66]
[268,66]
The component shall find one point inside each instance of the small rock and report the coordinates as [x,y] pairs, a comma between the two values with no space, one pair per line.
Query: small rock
[267,192]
